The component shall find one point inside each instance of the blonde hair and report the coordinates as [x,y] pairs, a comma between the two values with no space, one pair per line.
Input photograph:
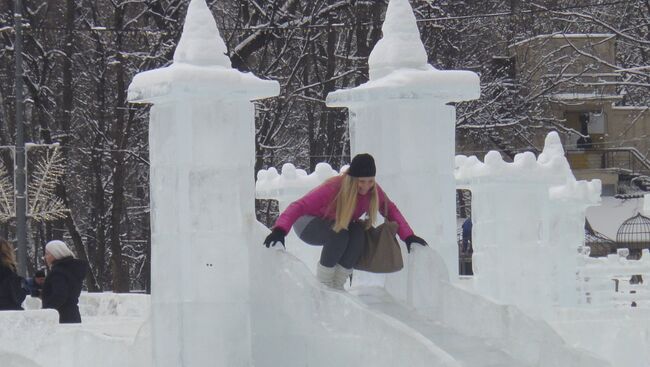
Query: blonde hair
[346,202]
[7,255]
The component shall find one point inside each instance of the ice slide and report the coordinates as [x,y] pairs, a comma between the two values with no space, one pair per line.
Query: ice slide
[417,319]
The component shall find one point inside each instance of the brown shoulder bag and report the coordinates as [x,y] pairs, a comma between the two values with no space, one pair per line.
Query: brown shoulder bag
[381,252]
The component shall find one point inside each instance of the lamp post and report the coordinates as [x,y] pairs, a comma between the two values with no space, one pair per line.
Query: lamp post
[19,172]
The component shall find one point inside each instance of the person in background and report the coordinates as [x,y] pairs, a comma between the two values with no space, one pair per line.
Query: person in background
[35,284]
[63,283]
[12,293]
[329,216]
[467,236]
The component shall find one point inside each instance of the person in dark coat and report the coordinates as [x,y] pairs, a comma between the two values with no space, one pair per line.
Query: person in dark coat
[63,283]
[35,285]
[12,293]
[467,236]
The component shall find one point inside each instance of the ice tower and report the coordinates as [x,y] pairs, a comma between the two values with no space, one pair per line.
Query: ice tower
[201,136]
[404,106]
[529,218]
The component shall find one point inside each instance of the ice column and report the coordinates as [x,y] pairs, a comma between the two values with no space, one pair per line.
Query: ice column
[528,225]
[201,138]
[401,117]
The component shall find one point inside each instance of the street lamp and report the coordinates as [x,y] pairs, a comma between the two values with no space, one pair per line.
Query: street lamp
[19,172]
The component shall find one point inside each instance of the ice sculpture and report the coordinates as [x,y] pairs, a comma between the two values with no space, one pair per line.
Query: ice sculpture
[528,225]
[401,117]
[201,138]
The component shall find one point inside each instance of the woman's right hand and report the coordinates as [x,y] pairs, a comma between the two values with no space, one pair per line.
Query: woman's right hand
[277,235]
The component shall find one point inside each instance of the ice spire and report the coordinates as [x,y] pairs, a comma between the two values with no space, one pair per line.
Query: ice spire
[400,46]
[552,148]
[200,43]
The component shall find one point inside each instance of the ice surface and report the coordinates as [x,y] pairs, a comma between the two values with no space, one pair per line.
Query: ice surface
[621,336]
[298,321]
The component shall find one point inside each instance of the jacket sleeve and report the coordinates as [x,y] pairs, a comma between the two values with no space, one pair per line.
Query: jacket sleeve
[59,291]
[394,215]
[313,202]
[18,293]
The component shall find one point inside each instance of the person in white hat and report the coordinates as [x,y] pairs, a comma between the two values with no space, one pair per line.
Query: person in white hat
[63,283]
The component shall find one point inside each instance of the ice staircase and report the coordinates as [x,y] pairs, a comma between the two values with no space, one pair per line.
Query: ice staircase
[417,319]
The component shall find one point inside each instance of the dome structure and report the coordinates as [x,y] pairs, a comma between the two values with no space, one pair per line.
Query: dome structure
[634,233]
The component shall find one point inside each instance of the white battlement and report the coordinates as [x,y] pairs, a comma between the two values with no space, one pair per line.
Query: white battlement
[292,183]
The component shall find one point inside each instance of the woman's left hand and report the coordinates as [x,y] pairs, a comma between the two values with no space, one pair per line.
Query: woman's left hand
[414,239]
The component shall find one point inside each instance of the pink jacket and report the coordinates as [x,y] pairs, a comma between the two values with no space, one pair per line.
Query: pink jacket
[317,202]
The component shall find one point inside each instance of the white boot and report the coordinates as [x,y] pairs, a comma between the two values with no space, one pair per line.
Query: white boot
[325,275]
[341,275]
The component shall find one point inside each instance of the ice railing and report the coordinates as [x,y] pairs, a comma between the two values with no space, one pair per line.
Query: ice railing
[615,280]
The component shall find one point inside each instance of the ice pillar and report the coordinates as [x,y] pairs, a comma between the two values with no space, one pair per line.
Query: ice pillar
[401,117]
[201,138]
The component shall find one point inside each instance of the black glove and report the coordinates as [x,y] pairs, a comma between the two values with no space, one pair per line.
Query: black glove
[414,239]
[277,235]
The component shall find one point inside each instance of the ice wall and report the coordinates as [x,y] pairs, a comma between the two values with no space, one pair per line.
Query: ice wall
[528,226]
[201,136]
[401,117]
[605,281]
[114,332]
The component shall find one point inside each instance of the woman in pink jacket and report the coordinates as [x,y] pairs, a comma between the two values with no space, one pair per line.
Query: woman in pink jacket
[329,215]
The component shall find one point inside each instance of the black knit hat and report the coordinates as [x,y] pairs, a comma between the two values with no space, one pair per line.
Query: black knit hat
[362,165]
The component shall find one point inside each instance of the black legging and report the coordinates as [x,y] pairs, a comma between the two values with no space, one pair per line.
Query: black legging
[342,248]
